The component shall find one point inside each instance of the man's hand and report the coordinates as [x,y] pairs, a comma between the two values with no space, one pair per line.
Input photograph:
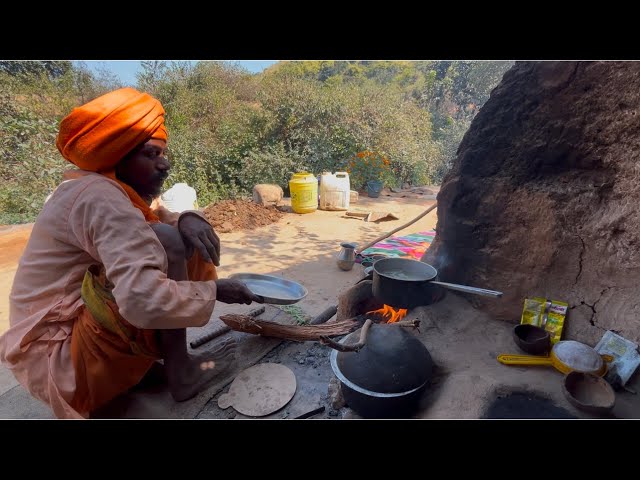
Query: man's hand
[234,291]
[197,233]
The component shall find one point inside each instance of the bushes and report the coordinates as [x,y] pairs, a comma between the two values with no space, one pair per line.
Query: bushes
[34,97]
[327,124]
[30,165]
[229,130]
[270,164]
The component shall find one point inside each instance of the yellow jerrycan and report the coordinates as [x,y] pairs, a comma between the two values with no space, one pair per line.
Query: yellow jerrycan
[304,192]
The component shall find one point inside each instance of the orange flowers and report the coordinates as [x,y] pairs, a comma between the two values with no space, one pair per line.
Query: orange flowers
[368,165]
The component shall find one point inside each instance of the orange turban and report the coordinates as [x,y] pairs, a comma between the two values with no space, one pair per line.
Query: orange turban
[98,134]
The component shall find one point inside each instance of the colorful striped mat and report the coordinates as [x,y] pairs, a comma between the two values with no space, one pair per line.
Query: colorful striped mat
[412,246]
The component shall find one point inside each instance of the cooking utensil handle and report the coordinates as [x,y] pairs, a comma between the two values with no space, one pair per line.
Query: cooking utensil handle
[524,359]
[466,289]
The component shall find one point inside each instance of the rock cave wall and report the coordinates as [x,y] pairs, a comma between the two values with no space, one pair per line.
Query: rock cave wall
[544,195]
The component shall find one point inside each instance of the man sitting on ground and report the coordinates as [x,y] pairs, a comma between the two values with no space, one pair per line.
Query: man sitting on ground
[107,285]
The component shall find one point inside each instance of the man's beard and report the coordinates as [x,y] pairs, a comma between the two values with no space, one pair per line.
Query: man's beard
[150,191]
[157,191]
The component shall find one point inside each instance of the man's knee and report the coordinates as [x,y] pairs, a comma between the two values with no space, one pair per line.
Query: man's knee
[171,240]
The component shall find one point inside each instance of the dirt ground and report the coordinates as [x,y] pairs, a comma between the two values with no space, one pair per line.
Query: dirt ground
[468,382]
[298,247]
[309,362]
[235,215]
[301,247]
[13,239]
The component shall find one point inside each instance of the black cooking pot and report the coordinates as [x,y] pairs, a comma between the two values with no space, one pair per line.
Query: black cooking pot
[385,378]
[407,283]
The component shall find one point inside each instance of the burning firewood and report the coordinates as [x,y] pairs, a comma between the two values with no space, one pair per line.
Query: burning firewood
[298,333]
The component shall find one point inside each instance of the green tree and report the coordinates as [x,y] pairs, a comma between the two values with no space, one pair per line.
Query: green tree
[29,68]
[229,129]
[34,98]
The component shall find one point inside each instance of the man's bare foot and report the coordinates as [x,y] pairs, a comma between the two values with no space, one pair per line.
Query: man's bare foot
[188,379]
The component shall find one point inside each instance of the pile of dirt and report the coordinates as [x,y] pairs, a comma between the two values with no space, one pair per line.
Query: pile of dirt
[233,215]
[543,197]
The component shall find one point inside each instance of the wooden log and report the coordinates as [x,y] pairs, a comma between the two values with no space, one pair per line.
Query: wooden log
[325,315]
[357,214]
[388,234]
[300,333]
[296,333]
[222,329]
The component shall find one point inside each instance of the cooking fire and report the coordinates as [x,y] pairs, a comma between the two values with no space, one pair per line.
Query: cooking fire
[390,314]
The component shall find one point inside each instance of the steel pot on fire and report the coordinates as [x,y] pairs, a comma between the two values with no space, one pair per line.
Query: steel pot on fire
[407,283]
[386,376]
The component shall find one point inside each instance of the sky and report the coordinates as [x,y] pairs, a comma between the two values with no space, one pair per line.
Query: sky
[127,69]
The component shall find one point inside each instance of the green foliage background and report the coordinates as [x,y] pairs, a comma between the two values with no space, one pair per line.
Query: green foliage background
[229,129]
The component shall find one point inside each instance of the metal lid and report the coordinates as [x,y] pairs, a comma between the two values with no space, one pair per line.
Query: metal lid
[392,360]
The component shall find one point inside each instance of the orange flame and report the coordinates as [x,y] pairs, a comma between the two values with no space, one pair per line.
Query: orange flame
[392,315]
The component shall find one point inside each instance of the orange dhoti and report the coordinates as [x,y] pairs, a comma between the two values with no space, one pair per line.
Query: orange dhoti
[110,355]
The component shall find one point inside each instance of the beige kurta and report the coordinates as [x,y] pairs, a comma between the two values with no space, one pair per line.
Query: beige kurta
[86,221]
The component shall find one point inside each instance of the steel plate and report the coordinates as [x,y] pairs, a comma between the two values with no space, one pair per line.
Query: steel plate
[272,289]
